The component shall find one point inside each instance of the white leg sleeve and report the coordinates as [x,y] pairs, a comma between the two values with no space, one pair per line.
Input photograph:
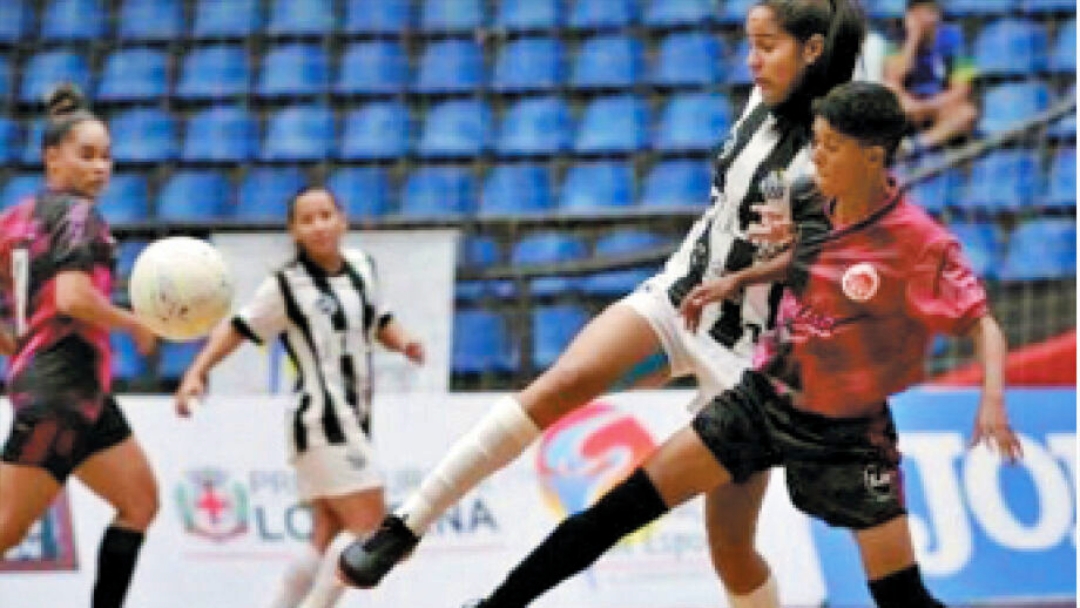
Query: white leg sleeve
[765,596]
[297,579]
[500,437]
[327,589]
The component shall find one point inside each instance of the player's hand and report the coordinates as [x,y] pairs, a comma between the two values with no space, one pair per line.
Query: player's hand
[145,340]
[992,428]
[191,390]
[414,351]
[775,227]
[710,291]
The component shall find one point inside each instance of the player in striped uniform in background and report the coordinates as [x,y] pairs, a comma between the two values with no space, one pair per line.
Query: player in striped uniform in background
[56,266]
[327,308]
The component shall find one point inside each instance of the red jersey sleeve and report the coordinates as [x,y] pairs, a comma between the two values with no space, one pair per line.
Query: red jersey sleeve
[943,292]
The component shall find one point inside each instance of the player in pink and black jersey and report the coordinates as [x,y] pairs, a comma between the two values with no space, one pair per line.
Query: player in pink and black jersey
[866,294]
[56,267]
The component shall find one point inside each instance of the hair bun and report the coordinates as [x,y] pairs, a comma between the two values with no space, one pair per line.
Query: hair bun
[65,98]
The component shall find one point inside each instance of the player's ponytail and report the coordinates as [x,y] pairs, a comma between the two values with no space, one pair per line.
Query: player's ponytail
[65,107]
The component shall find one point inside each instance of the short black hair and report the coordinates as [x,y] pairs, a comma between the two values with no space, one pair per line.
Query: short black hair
[913,3]
[866,111]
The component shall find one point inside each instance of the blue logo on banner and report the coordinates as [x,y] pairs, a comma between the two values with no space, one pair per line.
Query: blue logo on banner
[973,517]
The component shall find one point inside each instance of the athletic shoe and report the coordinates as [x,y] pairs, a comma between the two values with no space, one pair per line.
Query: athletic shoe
[365,563]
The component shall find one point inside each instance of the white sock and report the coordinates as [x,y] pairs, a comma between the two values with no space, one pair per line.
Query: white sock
[765,596]
[297,579]
[327,589]
[500,437]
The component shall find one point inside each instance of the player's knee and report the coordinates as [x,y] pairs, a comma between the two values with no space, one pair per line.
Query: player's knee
[139,511]
[903,589]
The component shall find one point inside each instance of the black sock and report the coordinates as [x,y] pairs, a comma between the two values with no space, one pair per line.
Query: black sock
[903,589]
[116,563]
[579,540]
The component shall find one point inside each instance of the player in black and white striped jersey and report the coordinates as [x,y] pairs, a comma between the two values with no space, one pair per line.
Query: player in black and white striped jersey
[327,308]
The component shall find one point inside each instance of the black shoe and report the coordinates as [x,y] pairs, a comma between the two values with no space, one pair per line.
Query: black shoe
[365,563]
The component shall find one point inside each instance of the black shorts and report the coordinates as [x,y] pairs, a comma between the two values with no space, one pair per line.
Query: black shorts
[58,437]
[844,471]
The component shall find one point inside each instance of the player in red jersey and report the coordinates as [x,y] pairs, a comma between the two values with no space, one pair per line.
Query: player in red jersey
[865,298]
[56,265]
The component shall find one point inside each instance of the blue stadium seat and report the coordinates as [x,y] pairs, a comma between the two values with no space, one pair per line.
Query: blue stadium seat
[126,200]
[127,251]
[733,12]
[613,125]
[608,62]
[194,196]
[438,192]
[691,59]
[456,128]
[529,15]
[451,15]
[377,131]
[31,151]
[544,248]
[127,363]
[377,16]
[222,134]
[214,72]
[879,10]
[9,140]
[1064,127]
[693,122]
[364,192]
[598,187]
[293,70]
[481,343]
[299,133]
[617,244]
[516,190]
[602,14]
[678,184]
[7,82]
[373,68]
[529,64]
[47,69]
[151,20]
[940,192]
[668,13]
[1063,55]
[738,71]
[134,75]
[301,18]
[1011,47]
[535,127]
[174,358]
[77,20]
[1041,249]
[1061,191]
[264,193]
[16,17]
[475,252]
[143,135]
[979,8]
[19,187]
[553,327]
[982,244]
[451,66]
[215,19]
[1005,105]
[1004,180]
[1039,7]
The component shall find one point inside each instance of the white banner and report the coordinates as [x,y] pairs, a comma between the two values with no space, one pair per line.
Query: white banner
[409,264]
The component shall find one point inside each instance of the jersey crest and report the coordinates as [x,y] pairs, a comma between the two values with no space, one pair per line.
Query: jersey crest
[860,282]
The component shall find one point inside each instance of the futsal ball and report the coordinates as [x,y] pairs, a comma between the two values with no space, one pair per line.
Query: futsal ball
[180,287]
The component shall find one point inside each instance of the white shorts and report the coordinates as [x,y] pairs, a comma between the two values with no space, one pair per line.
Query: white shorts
[336,470]
[689,353]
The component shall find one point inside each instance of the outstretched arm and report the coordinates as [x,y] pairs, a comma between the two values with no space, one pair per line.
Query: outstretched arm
[992,420]
[394,337]
[223,341]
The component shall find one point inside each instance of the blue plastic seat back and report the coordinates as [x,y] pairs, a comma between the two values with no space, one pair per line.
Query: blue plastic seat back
[151,20]
[1041,249]
[9,140]
[608,62]
[175,358]
[16,17]
[1006,180]
[529,15]
[221,134]
[982,246]
[373,68]
[456,128]
[545,248]
[301,17]
[451,66]
[195,196]
[517,190]
[127,252]
[377,16]
[294,70]
[980,8]
[376,131]
[47,69]
[134,75]
[553,327]
[7,79]
[738,71]
[265,192]
[127,363]
[364,192]
[1006,105]
[300,133]
[451,15]
[529,64]
[232,19]
[476,251]
[481,343]
[77,20]
[19,187]
[1063,55]
[605,186]
[678,184]
[214,72]
[619,244]
[1011,47]
[693,122]
[126,199]
[144,135]
[1039,7]
[885,9]
[438,192]
[668,13]
[602,14]
[690,59]
[536,126]
[733,12]
[943,191]
[617,124]
[31,150]
[1062,189]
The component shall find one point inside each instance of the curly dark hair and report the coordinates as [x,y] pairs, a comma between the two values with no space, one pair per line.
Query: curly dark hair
[867,111]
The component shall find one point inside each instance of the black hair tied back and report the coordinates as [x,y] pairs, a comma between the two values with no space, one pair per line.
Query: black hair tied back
[65,107]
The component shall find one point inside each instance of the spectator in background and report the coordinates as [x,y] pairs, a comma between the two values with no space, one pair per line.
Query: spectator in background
[931,75]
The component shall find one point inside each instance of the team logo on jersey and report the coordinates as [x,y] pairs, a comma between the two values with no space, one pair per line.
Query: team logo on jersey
[860,282]
[211,507]
[326,304]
